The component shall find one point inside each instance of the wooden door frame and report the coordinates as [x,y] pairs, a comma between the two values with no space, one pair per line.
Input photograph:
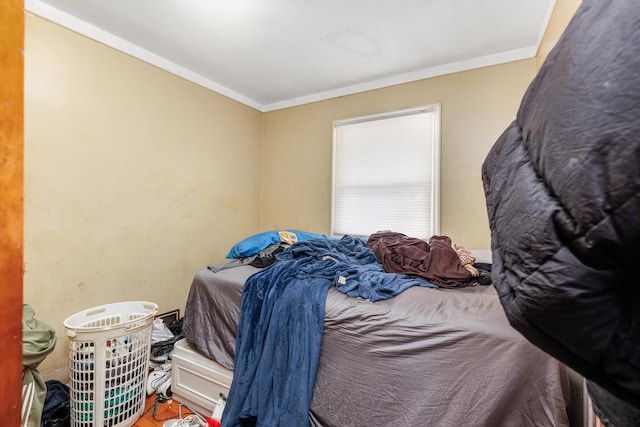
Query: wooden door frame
[11,206]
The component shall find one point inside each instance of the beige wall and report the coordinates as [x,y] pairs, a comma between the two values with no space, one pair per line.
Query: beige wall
[134,180]
[476,108]
[563,11]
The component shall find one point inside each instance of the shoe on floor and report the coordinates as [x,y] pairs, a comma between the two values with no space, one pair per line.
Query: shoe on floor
[165,389]
[190,421]
[157,377]
[155,365]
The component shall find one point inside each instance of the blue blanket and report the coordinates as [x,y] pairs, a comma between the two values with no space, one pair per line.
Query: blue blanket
[281,322]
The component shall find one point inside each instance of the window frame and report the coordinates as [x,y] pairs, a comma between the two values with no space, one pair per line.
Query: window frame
[435,110]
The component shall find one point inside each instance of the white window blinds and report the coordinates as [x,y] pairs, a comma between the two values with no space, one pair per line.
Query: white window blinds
[386,173]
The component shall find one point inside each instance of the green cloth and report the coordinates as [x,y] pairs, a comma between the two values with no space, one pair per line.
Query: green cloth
[38,340]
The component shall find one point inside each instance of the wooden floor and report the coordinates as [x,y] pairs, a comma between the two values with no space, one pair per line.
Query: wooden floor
[156,413]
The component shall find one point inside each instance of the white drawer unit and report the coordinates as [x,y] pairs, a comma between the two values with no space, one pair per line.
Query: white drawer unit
[197,381]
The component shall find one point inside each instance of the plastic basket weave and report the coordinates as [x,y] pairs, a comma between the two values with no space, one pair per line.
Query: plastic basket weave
[108,363]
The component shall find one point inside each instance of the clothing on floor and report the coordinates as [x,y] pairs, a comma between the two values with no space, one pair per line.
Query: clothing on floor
[38,341]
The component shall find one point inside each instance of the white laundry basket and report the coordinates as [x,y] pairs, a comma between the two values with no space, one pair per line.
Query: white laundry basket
[108,363]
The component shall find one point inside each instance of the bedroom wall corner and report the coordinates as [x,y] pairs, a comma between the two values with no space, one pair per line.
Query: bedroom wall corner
[562,13]
[477,106]
[134,179]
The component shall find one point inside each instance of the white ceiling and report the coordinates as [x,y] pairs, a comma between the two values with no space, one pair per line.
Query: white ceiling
[272,54]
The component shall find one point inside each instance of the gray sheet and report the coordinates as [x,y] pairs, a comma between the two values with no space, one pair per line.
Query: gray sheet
[428,357]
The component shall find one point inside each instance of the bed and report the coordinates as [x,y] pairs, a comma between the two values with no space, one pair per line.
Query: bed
[424,357]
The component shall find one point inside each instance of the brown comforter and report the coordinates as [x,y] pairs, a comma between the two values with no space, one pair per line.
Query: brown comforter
[435,261]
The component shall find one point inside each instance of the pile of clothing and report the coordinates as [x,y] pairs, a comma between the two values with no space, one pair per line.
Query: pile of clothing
[163,338]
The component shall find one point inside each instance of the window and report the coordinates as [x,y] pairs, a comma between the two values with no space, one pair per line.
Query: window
[386,173]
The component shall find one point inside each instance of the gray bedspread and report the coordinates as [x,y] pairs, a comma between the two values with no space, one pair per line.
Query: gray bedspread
[427,357]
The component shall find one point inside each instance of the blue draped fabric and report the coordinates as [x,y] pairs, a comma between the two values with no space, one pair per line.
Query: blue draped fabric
[281,322]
